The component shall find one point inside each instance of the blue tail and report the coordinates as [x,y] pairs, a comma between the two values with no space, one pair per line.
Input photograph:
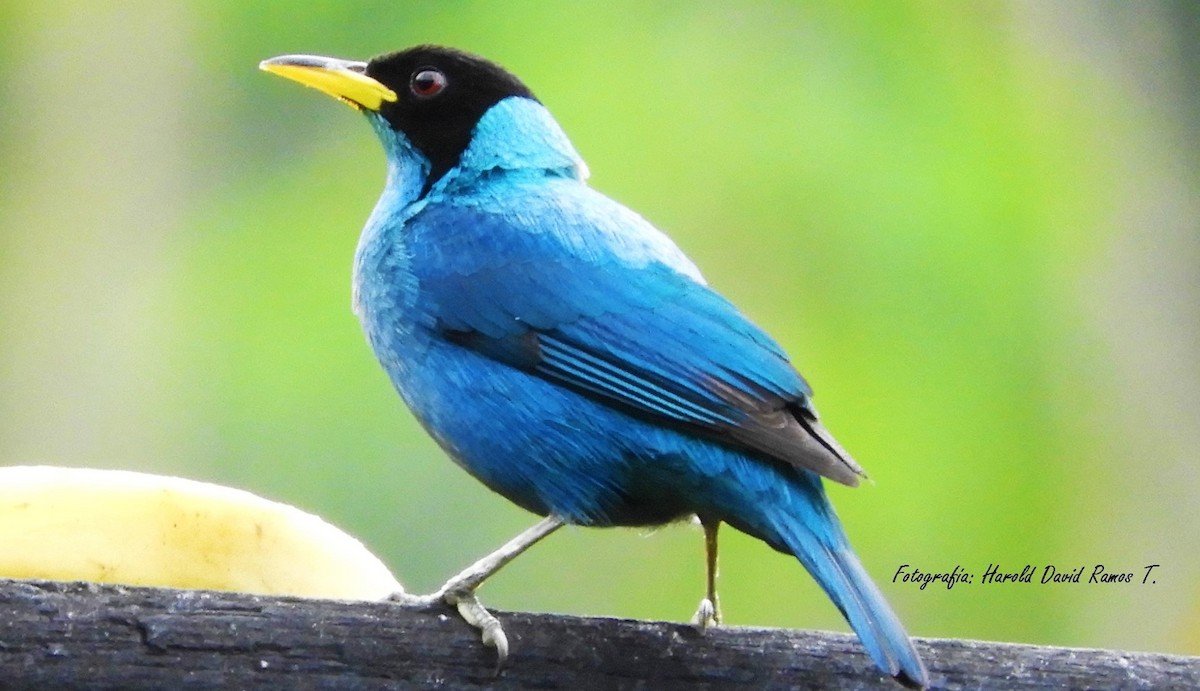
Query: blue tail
[828,557]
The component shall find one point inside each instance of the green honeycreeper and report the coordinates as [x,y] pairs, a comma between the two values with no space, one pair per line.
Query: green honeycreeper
[566,353]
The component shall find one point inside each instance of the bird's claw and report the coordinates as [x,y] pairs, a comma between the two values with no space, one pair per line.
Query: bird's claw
[475,614]
[470,609]
[411,600]
[707,615]
[459,591]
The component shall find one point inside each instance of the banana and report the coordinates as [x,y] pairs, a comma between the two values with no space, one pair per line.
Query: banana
[116,526]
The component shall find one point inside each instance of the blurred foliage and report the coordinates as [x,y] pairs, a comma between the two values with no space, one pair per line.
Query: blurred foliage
[975,227]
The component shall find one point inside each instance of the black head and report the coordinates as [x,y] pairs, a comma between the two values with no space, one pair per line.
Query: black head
[441,94]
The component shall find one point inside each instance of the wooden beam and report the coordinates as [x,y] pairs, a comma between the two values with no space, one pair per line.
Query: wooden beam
[79,635]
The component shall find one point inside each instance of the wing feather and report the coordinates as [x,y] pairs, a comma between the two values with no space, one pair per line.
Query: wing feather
[640,333]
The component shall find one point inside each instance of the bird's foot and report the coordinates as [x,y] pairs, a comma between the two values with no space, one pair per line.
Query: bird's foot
[411,600]
[708,615]
[475,614]
[470,609]
[459,591]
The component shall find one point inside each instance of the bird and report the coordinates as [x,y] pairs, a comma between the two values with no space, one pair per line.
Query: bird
[566,353]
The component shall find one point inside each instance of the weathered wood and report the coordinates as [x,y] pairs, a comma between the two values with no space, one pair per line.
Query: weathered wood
[73,635]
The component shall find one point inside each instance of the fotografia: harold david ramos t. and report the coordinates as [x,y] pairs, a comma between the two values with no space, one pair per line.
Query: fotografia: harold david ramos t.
[1029,573]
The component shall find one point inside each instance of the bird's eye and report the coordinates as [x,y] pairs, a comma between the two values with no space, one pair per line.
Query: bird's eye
[427,83]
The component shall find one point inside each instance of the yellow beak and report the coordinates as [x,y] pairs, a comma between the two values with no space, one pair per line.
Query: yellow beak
[345,80]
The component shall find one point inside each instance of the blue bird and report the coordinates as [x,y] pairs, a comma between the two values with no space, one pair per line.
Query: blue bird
[566,353]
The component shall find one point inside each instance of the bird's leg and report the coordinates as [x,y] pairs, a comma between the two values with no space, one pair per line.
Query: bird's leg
[459,591]
[709,612]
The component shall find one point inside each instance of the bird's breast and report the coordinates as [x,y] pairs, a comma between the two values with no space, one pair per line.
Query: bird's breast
[386,294]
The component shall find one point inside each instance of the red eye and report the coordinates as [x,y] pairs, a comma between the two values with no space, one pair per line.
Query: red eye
[427,83]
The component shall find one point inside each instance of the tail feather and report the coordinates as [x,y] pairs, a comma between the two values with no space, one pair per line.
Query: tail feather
[841,575]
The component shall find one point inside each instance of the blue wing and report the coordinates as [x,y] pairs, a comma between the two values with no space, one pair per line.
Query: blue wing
[591,297]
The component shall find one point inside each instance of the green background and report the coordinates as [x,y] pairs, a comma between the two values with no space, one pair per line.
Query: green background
[975,227]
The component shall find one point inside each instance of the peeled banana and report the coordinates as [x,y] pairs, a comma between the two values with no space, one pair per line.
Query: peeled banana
[116,526]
